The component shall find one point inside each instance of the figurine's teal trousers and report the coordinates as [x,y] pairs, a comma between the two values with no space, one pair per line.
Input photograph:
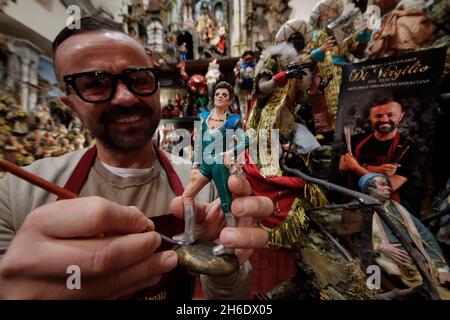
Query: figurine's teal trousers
[219,173]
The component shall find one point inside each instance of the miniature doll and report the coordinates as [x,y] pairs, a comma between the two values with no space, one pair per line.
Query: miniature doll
[213,164]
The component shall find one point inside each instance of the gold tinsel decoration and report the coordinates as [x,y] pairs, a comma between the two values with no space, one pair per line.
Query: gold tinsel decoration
[359,289]
[287,235]
[316,197]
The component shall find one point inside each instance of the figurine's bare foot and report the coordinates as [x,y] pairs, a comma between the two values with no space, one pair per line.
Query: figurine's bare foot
[220,249]
[185,238]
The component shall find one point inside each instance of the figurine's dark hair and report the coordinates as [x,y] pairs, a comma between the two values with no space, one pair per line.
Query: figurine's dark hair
[225,85]
[87,24]
[246,52]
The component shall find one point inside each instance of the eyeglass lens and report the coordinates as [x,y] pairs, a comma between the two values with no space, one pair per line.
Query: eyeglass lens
[94,87]
[97,87]
[142,82]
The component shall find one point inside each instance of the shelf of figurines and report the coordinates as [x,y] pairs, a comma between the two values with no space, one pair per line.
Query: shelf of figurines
[170,75]
[201,64]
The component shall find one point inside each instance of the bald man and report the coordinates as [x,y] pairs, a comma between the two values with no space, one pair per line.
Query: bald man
[384,150]
[110,82]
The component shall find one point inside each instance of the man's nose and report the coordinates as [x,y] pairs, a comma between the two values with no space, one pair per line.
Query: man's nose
[123,96]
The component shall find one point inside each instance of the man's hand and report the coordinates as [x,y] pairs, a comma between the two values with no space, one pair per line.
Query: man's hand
[444,278]
[349,162]
[388,169]
[113,245]
[247,209]
[394,252]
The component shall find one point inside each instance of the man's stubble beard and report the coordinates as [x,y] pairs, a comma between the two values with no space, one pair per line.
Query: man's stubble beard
[392,128]
[129,140]
[121,142]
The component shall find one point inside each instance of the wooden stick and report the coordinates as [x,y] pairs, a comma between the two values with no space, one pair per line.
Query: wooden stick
[348,140]
[403,153]
[38,181]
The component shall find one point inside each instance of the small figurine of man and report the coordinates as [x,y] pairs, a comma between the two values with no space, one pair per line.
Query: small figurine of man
[245,73]
[393,259]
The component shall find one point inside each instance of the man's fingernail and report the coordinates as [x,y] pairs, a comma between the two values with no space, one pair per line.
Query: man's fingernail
[228,238]
[239,207]
[150,225]
[170,260]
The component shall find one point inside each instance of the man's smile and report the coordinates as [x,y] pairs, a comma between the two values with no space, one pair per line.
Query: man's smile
[128,119]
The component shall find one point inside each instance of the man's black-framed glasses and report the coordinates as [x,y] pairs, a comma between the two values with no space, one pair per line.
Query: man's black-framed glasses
[99,86]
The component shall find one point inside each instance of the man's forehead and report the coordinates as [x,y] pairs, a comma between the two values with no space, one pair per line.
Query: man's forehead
[79,41]
[96,42]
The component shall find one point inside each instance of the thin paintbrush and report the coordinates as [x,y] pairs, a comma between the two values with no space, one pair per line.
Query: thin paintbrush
[50,187]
